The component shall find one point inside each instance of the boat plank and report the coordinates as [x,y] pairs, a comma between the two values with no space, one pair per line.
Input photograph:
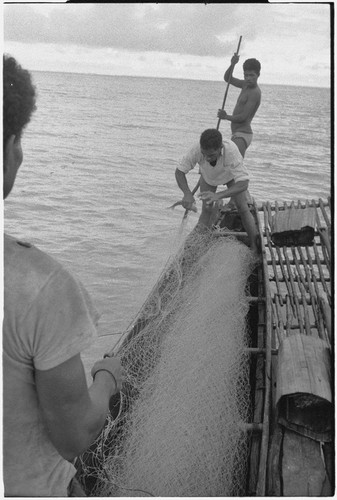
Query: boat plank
[303,471]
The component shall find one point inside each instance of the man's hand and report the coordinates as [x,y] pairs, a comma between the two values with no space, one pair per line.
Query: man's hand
[235,59]
[188,201]
[112,365]
[209,197]
[222,114]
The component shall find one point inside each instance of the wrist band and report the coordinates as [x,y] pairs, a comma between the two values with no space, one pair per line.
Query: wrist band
[105,370]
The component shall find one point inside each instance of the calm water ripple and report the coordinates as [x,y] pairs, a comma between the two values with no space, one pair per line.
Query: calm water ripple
[98,173]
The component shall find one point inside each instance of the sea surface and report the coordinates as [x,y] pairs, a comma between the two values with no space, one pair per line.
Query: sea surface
[98,174]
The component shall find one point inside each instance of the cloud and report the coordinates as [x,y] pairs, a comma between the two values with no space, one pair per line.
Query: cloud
[195,29]
[173,40]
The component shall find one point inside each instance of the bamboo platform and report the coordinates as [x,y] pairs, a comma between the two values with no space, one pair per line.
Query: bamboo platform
[291,442]
[297,279]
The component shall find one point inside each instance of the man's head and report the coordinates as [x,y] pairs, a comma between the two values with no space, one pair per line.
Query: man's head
[211,144]
[251,71]
[18,106]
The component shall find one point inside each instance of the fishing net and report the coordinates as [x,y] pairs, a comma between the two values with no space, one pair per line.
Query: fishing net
[179,429]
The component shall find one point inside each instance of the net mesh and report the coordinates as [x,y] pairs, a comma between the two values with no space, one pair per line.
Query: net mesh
[178,430]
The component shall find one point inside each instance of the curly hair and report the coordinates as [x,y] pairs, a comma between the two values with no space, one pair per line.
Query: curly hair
[252,65]
[19,98]
[211,139]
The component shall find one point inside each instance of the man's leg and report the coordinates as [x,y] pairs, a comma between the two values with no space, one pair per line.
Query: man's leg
[242,147]
[247,220]
[207,211]
[241,144]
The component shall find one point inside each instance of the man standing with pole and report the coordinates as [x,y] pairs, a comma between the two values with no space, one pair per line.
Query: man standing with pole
[247,104]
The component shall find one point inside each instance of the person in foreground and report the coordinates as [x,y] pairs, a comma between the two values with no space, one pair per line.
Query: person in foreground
[50,416]
[220,162]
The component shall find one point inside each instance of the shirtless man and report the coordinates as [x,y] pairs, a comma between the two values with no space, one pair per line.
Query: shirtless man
[247,103]
[246,106]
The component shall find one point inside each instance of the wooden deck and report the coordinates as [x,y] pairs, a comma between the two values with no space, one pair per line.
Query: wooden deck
[291,429]
[299,285]
[296,454]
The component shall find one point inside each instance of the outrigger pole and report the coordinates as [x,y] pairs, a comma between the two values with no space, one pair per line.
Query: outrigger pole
[228,83]
[217,127]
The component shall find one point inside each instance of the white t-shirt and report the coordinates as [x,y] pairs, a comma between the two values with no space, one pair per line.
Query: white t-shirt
[48,318]
[229,165]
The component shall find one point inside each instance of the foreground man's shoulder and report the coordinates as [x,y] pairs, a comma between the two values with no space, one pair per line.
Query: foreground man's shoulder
[23,255]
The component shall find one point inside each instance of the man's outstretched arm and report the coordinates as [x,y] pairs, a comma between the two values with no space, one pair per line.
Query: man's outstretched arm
[188,199]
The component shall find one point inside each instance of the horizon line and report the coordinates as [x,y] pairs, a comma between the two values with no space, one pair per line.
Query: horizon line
[169,78]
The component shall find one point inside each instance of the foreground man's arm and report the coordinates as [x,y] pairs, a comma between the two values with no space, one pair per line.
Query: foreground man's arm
[74,415]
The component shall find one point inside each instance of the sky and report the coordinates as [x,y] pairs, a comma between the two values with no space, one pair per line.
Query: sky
[195,41]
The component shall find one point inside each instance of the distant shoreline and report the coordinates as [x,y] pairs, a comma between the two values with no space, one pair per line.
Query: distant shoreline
[172,78]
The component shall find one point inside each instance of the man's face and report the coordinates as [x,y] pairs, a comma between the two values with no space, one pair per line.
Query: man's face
[212,155]
[12,160]
[250,77]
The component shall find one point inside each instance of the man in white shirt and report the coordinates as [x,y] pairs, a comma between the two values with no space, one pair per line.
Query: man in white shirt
[220,162]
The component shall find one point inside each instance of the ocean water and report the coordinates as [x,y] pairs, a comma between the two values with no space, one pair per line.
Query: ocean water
[98,174]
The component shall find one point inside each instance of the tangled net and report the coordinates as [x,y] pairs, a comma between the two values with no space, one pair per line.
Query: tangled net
[178,429]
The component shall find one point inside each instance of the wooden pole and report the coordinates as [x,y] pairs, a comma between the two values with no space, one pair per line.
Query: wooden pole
[228,83]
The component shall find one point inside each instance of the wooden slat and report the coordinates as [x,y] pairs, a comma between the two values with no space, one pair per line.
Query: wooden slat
[278,321]
[315,280]
[276,261]
[286,280]
[261,484]
[275,461]
[307,325]
[251,427]
[321,273]
[259,350]
[289,315]
[303,473]
[273,207]
[319,320]
[326,312]
[259,393]
[267,216]
[229,233]
[325,242]
[298,326]
[303,367]
[318,279]
[306,281]
[322,206]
